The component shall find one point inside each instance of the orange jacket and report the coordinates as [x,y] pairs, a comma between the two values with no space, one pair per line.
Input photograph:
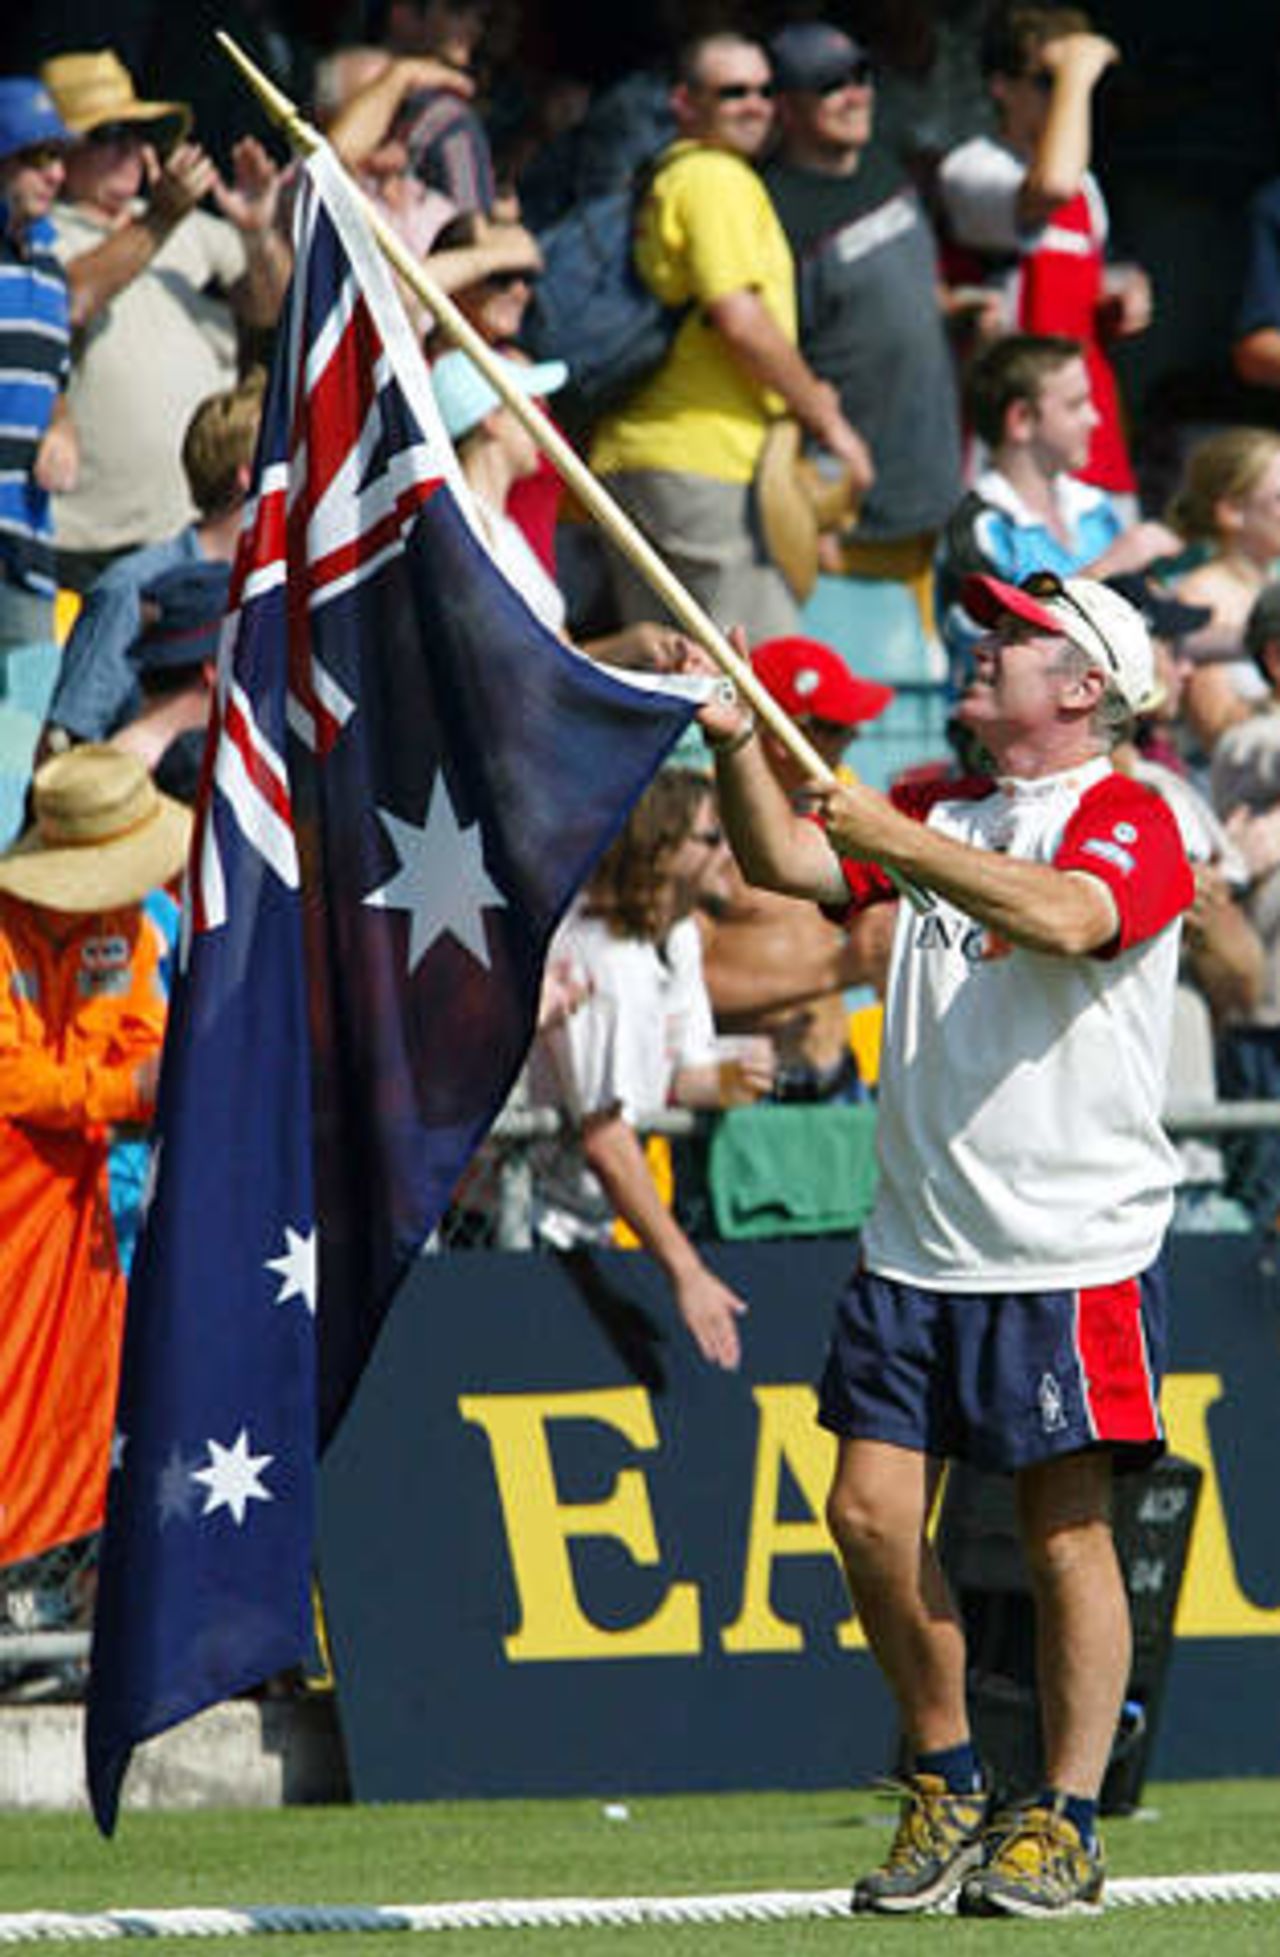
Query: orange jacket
[81,1006]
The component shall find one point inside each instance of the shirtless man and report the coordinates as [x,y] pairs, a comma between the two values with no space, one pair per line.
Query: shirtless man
[775,964]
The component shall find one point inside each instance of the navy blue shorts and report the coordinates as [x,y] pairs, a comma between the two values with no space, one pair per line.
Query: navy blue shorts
[999,1379]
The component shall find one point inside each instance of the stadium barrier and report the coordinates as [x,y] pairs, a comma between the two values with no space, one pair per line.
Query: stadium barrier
[562,1526]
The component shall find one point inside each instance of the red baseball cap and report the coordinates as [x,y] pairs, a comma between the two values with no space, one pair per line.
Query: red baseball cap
[813,683]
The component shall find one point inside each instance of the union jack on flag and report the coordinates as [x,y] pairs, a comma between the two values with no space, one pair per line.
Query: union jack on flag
[406,782]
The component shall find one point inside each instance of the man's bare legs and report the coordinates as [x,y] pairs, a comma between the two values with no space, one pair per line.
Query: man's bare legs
[1083,1632]
[877,1512]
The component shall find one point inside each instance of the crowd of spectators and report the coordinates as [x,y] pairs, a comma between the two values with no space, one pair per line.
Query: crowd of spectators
[935,331]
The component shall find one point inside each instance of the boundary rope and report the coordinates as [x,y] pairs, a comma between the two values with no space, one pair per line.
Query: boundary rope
[558,1912]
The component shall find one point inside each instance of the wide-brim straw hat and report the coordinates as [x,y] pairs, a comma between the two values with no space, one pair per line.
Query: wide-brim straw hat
[103,834]
[94,89]
[795,502]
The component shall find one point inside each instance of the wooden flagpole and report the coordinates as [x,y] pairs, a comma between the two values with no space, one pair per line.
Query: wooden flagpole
[586,487]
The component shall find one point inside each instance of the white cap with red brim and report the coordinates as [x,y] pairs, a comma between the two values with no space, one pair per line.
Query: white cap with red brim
[1096,619]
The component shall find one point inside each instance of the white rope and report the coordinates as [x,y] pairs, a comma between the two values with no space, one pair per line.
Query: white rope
[557,1912]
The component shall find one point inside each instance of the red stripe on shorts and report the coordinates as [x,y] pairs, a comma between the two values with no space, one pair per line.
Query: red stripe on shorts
[1119,1392]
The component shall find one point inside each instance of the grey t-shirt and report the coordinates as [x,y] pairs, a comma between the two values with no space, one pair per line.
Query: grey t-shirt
[870,324]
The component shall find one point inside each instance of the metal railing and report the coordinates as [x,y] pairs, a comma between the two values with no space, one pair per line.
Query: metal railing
[46,1604]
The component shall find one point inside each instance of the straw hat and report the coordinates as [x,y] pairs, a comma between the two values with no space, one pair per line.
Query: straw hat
[92,90]
[103,836]
[796,501]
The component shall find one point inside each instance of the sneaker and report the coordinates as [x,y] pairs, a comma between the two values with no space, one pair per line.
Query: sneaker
[940,1839]
[1037,1865]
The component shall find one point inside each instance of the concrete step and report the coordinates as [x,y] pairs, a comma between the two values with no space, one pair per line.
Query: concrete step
[247,1753]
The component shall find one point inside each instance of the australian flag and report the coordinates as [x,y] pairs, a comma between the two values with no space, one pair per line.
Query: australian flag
[406,781]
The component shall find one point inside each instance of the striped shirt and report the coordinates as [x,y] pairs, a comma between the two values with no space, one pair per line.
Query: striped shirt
[448,149]
[35,339]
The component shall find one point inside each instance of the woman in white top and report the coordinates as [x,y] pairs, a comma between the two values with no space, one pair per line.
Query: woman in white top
[1228,499]
[642,1037]
[496,452]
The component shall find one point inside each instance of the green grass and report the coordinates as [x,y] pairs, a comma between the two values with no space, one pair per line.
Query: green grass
[450,1851]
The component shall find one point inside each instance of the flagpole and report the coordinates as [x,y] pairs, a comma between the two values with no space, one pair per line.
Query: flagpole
[586,486]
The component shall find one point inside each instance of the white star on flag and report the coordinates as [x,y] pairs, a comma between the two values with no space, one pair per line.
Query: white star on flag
[119,1442]
[174,1494]
[232,1477]
[296,1268]
[149,1181]
[441,882]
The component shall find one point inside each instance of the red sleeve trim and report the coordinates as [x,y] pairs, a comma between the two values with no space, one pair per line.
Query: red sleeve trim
[1126,836]
[867,883]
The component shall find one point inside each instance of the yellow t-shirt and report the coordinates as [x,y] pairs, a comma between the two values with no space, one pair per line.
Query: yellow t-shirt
[707,228]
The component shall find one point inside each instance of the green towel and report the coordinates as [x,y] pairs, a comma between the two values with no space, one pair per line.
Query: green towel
[801,1171]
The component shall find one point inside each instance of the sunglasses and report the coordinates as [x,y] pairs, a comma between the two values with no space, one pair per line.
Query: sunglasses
[1046,586]
[859,74]
[42,156]
[507,281]
[1041,80]
[108,133]
[743,91]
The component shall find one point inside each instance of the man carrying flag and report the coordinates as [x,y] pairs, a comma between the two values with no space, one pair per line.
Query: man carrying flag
[407,780]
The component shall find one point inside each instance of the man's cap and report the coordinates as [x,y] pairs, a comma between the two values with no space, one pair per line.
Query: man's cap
[28,116]
[184,610]
[1263,622]
[103,835]
[810,56]
[464,397]
[1166,617]
[1098,621]
[812,682]
[92,90]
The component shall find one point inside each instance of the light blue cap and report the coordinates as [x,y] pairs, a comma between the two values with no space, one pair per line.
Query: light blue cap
[464,397]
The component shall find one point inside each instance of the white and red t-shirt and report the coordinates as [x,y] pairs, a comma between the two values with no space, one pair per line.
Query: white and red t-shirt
[1055,276]
[1020,1140]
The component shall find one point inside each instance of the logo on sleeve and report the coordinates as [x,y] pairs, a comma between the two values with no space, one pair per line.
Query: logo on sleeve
[1113,852]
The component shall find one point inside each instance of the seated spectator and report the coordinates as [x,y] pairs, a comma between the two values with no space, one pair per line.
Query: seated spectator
[1255,352]
[163,286]
[358,95]
[82,1013]
[1031,404]
[97,689]
[1221,954]
[497,452]
[1246,783]
[1023,210]
[40,451]
[506,262]
[1228,504]
[176,661]
[642,1037]
[775,964]
[446,141]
